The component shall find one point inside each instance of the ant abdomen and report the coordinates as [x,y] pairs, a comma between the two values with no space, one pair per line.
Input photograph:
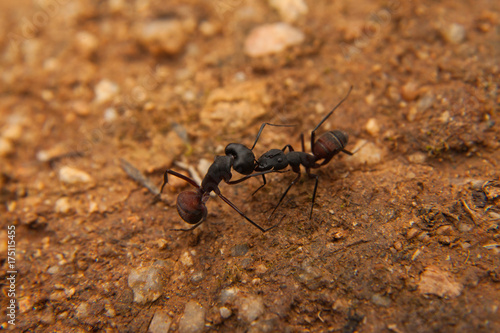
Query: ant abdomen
[190,207]
[330,144]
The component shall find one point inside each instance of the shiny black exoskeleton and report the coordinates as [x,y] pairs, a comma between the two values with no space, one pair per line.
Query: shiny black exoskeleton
[191,204]
[324,149]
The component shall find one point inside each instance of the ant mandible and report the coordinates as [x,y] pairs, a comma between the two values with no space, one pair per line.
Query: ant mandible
[191,205]
[325,148]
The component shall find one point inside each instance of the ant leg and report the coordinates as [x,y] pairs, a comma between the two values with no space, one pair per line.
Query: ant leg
[261,186]
[226,200]
[284,194]
[189,229]
[302,142]
[178,175]
[311,175]
[348,152]
[262,128]
[326,117]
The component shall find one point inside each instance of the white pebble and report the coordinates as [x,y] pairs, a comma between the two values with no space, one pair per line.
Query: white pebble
[110,114]
[105,91]
[147,284]
[71,175]
[225,312]
[250,308]
[86,43]
[186,259]
[193,319]
[62,205]
[453,33]
[272,38]
[372,127]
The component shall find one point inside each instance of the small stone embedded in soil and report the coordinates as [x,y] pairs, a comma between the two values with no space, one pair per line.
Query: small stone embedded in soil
[197,277]
[239,250]
[438,282]
[380,300]
[228,295]
[225,312]
[193,319]
[160,323]
[186,259]
[62,205]
[289,10]
[453,33]
[71,175]
[250,307]
[147,284]
[368,154]
[372,127]
[162,36]
[105,91]
[272,38]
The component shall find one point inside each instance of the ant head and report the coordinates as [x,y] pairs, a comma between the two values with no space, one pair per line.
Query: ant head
[274,159]
[243,158]
[190,206]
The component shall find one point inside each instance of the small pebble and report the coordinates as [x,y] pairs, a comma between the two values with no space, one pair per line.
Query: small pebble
[289,10]
[225,312]
[417,158]
[209,29]
[110,114]
[239,250]
[147,284]
[186,259]
[412,233]
[453,33]
[160,323]
[197,277]
[62,205]
[162,36]
[250,308]
[86,43]
[380,300]
[71,175]
[437,282]
[228,295]
[105,91]
[272,38]
[410,91]
[193,319]
[372,127]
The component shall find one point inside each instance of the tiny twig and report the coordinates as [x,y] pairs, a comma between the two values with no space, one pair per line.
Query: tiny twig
[139,177]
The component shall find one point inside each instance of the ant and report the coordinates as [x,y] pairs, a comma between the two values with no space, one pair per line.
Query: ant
[191,204]
[325,148]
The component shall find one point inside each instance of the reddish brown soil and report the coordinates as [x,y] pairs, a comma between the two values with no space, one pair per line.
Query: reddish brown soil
[379,229]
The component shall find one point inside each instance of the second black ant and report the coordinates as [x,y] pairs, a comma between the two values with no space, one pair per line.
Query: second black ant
[323,150]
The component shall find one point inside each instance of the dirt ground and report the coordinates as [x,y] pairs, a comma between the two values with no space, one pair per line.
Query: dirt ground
[404,235]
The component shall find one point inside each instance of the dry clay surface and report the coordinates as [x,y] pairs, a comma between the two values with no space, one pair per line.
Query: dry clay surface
[404,235]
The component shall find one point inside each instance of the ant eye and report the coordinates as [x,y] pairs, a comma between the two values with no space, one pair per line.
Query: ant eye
[280,160]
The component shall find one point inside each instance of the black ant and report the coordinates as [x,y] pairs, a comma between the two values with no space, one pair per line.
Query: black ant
[325,148]
[191,204]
